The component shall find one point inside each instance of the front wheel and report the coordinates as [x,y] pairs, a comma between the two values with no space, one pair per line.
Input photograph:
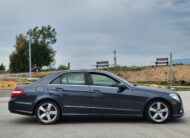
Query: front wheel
[158,111]
[47,112]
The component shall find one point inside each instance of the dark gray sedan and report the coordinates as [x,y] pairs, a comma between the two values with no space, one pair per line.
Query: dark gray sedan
[93,93]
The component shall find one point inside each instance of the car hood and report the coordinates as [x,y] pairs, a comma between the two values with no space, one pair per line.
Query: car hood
[152,89]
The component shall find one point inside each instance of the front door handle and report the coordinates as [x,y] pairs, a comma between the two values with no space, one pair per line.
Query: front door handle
[97,91]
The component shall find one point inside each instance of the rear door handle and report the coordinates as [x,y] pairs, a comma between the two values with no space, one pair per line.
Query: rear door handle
[59,89]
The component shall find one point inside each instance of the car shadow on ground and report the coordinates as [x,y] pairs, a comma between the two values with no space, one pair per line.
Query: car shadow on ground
[95,120]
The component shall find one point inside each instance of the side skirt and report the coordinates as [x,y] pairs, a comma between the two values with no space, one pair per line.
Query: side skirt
[103,115]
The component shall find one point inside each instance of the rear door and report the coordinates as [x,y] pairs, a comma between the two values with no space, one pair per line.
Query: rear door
[73,91]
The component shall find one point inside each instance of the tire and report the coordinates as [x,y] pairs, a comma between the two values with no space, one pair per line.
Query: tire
[158,111]
[47,112]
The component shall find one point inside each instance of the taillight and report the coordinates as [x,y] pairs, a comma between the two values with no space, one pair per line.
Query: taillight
[17,92]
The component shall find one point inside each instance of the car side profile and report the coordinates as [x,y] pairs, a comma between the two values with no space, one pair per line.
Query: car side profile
[93,93]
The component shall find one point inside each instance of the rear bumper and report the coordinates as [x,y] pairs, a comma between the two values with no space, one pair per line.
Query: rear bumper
[20,108]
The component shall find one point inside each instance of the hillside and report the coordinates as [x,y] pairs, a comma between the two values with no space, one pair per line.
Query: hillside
[181,74]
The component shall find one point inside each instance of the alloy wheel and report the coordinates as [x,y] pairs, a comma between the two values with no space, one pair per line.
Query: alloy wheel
[158,112]
[47,112]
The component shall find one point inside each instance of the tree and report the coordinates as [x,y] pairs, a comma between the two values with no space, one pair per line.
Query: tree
[19,57]
[2,67]
[43,54]
[62,67]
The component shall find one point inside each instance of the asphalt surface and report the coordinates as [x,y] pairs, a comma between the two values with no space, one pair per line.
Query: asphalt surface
[18,126]
[5,93]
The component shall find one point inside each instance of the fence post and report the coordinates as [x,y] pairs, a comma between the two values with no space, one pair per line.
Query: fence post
[170,71]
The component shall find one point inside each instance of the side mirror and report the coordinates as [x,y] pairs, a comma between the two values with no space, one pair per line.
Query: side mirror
[121,87]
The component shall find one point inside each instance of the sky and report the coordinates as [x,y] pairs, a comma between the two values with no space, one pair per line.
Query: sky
[90,30]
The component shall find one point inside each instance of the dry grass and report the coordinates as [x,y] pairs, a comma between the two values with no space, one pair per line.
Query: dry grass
[157,74]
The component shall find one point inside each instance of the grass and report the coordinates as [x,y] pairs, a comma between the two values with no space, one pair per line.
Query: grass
[182,89]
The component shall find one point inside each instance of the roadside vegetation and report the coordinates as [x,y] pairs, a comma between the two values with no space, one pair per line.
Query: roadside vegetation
[158,75]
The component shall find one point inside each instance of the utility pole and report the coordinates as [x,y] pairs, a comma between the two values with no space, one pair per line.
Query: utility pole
[30,59]
[170,72]
[115,60]
[69,65]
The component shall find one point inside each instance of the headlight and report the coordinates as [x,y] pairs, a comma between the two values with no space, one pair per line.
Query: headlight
[175,96]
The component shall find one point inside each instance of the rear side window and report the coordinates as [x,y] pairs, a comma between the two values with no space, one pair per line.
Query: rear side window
[70,78]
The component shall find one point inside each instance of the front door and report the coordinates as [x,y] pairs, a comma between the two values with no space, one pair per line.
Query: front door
[107,100]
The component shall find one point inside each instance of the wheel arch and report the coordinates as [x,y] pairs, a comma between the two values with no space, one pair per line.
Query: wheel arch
[157,98]
[45,99]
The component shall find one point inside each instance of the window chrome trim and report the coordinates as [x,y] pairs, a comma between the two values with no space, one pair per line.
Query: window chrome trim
[98,86]
[101,108]
[104,73]
[81,85]
[67,85]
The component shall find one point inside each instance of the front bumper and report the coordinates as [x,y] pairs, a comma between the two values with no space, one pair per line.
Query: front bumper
[178,110]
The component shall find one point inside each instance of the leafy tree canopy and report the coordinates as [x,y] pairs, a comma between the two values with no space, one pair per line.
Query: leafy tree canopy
[41,40]
[62,67]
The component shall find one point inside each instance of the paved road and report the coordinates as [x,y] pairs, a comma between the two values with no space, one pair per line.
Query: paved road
[17,126]
[5,93]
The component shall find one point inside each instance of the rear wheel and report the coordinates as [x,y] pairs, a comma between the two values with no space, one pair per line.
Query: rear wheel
[47,112]
[158,111]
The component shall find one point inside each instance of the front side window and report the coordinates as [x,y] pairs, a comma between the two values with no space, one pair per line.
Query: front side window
[70,78]
[103,80]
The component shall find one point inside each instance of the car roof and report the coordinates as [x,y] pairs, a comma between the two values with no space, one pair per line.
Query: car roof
[84,70]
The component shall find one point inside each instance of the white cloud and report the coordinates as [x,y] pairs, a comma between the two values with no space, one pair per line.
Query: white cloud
[90,30]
